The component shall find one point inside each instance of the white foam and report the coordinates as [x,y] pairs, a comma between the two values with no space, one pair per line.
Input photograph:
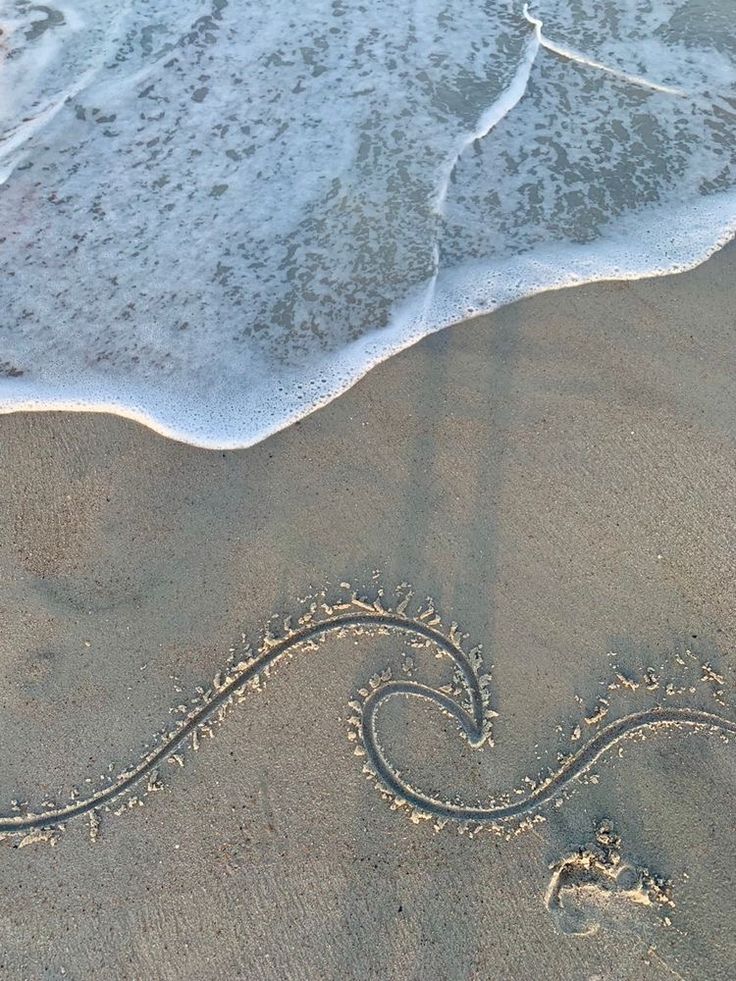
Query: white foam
[495,113]
[582,59]
[216,219]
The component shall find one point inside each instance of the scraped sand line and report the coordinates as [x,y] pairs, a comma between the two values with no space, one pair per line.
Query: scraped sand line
[472,715]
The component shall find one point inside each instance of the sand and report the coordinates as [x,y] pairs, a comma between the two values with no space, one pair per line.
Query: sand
[559,478]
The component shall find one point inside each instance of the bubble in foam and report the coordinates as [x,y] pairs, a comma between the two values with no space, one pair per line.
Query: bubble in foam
[217,218]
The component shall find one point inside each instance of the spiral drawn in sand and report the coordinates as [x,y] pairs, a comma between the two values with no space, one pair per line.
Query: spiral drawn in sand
[467,702]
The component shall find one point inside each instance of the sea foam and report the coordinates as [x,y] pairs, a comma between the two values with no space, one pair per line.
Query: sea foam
[216,217]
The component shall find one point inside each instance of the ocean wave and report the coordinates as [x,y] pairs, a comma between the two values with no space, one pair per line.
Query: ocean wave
[216,218]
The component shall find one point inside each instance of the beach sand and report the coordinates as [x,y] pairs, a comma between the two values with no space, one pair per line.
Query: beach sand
[559,477]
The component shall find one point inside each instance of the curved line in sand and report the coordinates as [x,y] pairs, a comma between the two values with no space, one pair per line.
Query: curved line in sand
[471,719]
[571,770]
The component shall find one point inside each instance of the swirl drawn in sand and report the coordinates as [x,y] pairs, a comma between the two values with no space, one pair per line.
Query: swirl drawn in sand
[466,701]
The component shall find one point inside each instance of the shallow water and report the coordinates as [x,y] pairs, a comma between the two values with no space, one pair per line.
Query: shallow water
[216,217]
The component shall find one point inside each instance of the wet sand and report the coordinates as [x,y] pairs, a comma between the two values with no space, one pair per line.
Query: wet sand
[559,478]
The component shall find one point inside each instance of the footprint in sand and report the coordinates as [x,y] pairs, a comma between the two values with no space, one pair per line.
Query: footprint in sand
[595,885]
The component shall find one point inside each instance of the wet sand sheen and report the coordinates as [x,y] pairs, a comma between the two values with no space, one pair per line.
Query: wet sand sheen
[559,477]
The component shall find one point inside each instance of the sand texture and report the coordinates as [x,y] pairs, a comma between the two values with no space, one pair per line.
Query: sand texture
[437,683]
